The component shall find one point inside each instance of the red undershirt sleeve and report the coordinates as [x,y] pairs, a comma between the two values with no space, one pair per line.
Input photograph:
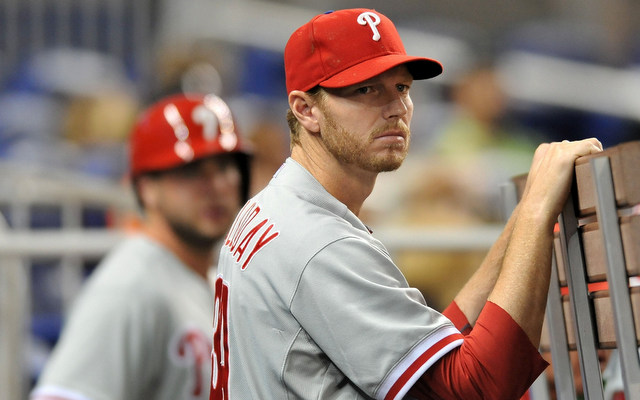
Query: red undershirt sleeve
[496,361]
[455,315]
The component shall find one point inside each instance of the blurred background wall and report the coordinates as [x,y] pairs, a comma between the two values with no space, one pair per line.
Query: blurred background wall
[74,73]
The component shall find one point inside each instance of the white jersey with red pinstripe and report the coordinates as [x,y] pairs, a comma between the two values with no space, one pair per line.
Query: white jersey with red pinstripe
[309,305]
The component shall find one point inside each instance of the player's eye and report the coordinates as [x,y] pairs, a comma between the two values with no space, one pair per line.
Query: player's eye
[226,162]
[364,90]
[188,171]
[402,88]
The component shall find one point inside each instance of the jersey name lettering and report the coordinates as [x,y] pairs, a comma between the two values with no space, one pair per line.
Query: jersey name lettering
[249,234]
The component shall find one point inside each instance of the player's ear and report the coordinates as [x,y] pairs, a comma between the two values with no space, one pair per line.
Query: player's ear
[304,108]
[148,191]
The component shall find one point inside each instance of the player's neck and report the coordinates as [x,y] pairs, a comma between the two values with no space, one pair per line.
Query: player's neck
[199,260]
[349,184]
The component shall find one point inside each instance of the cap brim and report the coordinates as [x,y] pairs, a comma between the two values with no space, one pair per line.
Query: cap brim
[419,67]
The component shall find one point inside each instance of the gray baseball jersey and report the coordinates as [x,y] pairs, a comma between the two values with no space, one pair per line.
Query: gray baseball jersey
[309,305]
[140,329]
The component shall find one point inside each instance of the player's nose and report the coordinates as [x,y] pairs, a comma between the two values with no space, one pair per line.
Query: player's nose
[397,107]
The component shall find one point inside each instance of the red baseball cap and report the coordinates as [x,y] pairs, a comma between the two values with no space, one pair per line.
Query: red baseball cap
[345,47]
[182,128]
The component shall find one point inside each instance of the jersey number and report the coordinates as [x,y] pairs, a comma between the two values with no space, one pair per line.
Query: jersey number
[220,353]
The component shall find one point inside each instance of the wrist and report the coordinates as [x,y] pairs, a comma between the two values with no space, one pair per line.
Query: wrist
[536,215]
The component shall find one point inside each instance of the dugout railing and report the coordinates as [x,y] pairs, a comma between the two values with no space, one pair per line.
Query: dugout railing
[54,227]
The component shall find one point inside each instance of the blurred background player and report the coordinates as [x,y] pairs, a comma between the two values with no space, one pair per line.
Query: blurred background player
[140,329]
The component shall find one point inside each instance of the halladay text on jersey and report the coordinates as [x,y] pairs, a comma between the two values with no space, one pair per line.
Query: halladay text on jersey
[249,234]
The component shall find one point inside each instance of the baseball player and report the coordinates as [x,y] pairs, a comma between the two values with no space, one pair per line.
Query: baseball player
[141,327]
[309,305]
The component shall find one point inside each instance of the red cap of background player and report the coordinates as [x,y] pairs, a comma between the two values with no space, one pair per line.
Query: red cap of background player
[342,48]
[180,129]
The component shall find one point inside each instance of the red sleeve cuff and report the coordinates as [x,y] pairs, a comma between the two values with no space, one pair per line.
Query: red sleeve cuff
[505,350]
[457,317]
[496,361]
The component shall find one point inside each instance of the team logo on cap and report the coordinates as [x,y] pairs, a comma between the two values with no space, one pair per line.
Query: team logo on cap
[222,115]
[182,148]
[371,19]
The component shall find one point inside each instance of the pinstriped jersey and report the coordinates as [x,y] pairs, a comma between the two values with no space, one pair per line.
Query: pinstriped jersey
[309,305]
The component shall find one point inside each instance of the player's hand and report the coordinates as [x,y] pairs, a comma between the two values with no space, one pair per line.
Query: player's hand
[551,174]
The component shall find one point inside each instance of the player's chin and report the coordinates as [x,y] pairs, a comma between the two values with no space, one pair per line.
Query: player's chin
[389,161]
[212,233]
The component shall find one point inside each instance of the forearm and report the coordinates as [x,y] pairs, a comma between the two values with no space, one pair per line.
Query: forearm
[475,292]
[522,287]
